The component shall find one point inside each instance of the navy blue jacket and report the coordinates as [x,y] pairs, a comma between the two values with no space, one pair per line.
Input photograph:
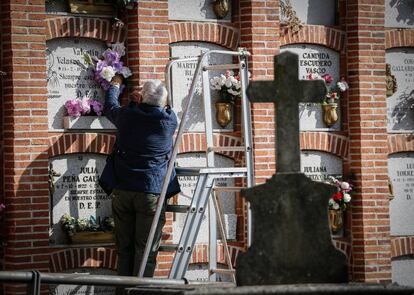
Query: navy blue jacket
[143,145]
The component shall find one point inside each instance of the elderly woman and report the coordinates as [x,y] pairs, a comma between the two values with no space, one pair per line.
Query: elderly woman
[139,164]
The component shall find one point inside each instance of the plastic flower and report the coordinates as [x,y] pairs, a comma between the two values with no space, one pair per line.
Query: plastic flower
[328,78]
[97,106]
[108,73]
[73,107]
[228,85]
[341,198]
[2,207]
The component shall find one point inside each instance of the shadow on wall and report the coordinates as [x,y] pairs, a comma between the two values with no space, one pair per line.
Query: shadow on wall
[405,10]
[403,111]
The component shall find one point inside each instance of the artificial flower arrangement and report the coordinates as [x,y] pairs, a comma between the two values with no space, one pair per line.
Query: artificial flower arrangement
[228,85]
[334,89]
[342,198]
[72,225]
[83,106]
[109,66]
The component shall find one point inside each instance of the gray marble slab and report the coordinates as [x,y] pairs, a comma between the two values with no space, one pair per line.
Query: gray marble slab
[196,10]
[315,12]
[182,77]
[402,271]
[401,173]
[68,76]
[399,13]
[87,123]
[318,166]
[400,106]
[77,191]
[320,60]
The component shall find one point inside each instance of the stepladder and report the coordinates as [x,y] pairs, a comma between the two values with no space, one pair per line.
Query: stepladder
[206,191]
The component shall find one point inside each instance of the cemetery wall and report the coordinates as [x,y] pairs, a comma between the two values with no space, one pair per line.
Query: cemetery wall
[361,142]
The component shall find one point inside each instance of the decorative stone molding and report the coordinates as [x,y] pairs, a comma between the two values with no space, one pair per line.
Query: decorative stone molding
[401,246]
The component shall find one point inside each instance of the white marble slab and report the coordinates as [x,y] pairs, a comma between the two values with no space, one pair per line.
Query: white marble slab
[195,10]
[77,191]
[315,12]
[402,271]
[401,173]
[320,165]
[68,76]
[399,13]
[182,77]
[400,106]
[88,123]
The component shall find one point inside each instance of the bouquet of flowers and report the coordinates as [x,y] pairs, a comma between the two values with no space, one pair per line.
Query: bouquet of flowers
[334,90]
[341,199]
[72,225]
[85,106]
[110,65]
[228,85]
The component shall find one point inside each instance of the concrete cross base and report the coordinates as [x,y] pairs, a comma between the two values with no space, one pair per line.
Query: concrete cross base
[291,237]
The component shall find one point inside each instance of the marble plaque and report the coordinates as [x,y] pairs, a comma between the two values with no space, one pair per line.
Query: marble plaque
[320,60]
[84,289]
[399,13]
[198,272]
[318,166]
[401,173]
[314,12]
[182,77]
[68,76]
[196,10]
[188,184]
[400,106]
[402,271]
[77,191]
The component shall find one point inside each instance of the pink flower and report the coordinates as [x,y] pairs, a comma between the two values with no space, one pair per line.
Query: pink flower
[73,107]
[85,106]
[2,207]
[328,78]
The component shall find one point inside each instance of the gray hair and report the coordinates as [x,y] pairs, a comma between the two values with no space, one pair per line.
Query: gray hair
[154,93]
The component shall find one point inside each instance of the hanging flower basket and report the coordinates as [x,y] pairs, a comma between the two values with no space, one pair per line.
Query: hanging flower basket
[330,115]
[336,220]
[224,112]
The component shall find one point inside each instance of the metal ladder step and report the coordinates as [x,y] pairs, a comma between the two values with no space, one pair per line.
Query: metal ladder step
[168,247]
[223,271]
[228,188]
[221,67]
[227,148]
[178,208]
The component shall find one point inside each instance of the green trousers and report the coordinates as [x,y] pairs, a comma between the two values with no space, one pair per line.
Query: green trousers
[133,213]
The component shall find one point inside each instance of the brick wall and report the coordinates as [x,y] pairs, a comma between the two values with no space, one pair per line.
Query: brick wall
[362,143]
[368,140]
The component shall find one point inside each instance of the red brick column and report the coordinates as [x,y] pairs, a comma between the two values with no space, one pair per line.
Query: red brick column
[371,250]
[259,30]
[25,136]
[148,48]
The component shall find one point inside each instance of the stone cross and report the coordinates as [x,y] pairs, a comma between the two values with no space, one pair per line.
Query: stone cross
[287,92]
[292,242]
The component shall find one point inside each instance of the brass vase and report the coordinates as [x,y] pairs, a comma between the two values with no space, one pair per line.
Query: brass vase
[336,220]
[221,8]
[224,113]
[330,115]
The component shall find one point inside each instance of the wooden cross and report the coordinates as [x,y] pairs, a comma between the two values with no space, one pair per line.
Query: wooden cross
[287,91]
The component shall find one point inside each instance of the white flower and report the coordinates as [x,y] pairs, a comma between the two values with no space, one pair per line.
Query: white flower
[108,73]
[347,198]
[233,92]
[126,72]
[342,85]
[331,202]
[119,47]
[335,206]
[345,185]
[222,79]
[228,82]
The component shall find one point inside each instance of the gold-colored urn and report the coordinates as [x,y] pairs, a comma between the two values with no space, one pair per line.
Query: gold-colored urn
[224,113]
[221,8]
[330,115]
[336,220]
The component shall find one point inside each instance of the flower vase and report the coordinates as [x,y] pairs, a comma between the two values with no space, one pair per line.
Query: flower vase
[330,115]
[224,113]
[336,220]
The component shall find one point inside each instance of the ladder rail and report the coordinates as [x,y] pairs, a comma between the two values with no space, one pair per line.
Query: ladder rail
[201,60]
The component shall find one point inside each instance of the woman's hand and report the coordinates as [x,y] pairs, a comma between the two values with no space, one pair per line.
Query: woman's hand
[117,79]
